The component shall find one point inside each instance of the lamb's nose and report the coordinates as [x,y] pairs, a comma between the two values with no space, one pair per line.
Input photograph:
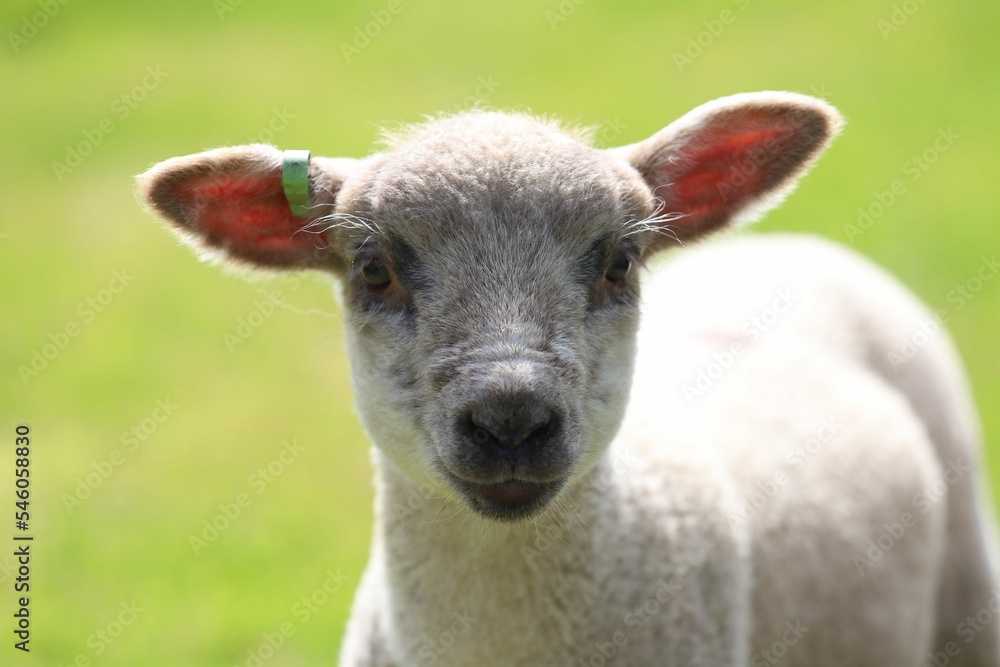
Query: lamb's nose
[510,423]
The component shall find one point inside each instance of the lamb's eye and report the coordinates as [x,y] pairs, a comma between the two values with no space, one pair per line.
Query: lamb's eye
[618,268]
[376,274]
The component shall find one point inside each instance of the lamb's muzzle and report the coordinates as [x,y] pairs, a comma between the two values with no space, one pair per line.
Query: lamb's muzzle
[509,455]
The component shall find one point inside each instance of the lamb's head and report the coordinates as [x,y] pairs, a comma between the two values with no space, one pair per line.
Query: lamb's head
[488,266]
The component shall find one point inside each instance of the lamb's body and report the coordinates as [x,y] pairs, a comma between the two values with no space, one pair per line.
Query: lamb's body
[823,446]
[789,482]
[905,430]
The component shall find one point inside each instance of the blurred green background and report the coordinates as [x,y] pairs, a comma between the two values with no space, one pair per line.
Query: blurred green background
[149,420]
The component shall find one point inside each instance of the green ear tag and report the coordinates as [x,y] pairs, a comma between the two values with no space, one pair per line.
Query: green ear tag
[295,181]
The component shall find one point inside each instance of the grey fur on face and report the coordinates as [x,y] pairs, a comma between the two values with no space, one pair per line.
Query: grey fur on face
[498,232]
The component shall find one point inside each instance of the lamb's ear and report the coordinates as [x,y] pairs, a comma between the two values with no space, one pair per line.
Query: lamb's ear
[731,160]
[230,202]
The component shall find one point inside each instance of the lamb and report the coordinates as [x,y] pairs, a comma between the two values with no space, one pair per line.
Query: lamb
[754,475]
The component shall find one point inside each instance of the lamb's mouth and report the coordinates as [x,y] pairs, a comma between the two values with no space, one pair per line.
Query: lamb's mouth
[510,500]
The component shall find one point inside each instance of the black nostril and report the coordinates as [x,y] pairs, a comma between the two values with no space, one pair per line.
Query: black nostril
[509,432]
[508,436]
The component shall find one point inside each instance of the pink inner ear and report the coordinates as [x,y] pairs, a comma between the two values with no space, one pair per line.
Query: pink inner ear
[248,216]
[720,171]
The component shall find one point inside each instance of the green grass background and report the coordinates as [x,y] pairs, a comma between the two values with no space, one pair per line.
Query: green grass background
[162,338]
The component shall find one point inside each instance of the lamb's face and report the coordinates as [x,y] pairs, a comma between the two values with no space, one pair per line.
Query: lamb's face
[488,263]
[492,298]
